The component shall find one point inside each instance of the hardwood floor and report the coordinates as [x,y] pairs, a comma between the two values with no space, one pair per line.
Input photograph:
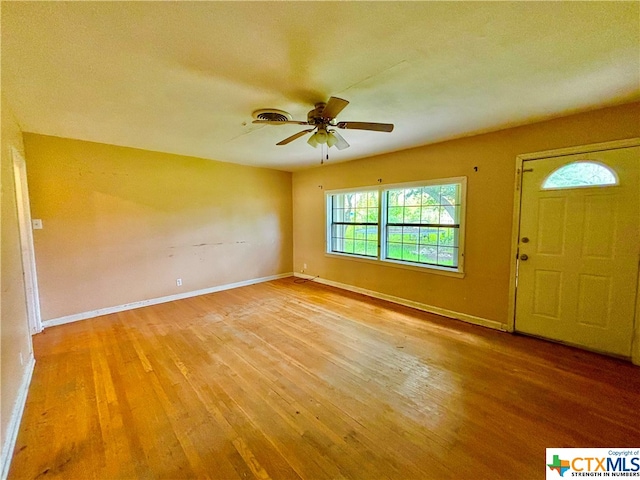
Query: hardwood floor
[284,380]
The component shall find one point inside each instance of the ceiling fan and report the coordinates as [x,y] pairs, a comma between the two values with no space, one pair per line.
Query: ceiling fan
[323,119]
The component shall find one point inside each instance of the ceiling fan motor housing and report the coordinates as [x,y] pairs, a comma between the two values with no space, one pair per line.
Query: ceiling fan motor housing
[314,117]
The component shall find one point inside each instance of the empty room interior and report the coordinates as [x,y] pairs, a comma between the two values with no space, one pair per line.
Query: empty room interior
[318,240]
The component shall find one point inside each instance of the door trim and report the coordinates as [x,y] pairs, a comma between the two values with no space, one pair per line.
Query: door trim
[27,249]
[515,227]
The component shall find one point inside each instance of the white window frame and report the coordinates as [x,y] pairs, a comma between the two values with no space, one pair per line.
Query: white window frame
[328,221]
[382,224]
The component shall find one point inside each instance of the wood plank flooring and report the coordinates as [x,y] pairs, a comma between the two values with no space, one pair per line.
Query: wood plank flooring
[285,380]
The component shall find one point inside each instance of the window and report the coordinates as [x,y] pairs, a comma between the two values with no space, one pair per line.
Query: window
[580,174]
[417,225]
[423,224]
[354,223]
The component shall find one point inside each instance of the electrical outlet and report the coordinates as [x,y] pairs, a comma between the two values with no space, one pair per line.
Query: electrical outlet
[21,359]
[179,282]
[304,266]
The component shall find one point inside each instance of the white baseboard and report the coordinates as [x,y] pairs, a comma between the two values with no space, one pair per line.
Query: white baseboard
[410,303]
[11,434]
[154,301]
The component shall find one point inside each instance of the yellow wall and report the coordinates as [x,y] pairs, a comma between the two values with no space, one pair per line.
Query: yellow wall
[15,340]
[483,292]
[121,225]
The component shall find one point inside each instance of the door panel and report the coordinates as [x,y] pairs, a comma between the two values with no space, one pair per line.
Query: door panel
[577,271]
[551,225]
[594,299]
[546,291]
[600,225]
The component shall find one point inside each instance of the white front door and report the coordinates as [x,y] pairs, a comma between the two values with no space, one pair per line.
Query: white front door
[578,250]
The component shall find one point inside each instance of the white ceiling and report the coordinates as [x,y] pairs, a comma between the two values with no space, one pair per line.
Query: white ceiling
[184,77]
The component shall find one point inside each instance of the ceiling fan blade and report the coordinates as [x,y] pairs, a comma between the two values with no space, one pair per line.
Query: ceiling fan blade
[276,122]
[293,137]
[376,127]
[333,107]
[341,143]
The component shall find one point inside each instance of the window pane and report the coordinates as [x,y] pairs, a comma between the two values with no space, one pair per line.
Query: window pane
[429,255]
[360,247]
[580,174]
[448,215]
[429,236]
[349,231]
[394,234]
[431,195]
[372,249]
[400,197]
[361,215]
[431,215]
[410,253]
[450,195]
[446,257]
[413,197]
[349,215]
[411,215]
[410,234]
[395,215]
[372,199]
[372,234]
[394,197]
[394,250]
[447,237]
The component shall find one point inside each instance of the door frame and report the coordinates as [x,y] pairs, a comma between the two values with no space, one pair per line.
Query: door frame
[515,228]
[27,249]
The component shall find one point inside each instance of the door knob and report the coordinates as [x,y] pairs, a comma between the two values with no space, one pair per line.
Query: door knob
[524,257]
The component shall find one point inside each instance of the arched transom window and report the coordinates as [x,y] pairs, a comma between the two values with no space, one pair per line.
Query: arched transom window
[580,174]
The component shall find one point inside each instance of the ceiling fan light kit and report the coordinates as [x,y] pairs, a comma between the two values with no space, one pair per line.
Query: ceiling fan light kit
[320,136]
[320,118]
[312,141]
[331,138]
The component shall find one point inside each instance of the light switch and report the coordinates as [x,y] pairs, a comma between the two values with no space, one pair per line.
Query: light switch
[37,224]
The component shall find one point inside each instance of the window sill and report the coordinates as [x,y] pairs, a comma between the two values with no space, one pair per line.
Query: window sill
[394,264]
